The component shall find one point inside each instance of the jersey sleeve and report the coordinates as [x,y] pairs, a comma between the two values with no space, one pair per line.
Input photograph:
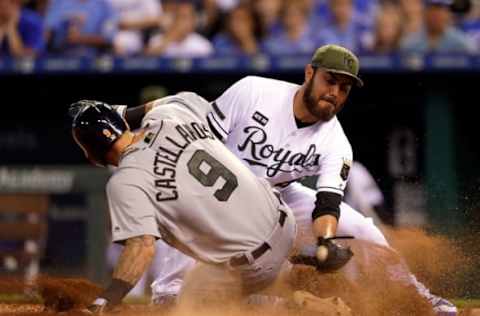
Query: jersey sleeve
[131,211]
[197,105]
[335,166]
[228,108]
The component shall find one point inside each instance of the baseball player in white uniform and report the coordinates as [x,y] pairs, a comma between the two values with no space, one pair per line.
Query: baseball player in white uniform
[176,182]
[283,132]
[363,194]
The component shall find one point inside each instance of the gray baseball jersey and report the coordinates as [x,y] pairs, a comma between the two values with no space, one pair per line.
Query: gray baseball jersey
[183,185]
[255,119]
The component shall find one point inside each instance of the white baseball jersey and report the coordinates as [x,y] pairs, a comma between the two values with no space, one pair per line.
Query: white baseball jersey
[363,193]
[255,119]
[182,184]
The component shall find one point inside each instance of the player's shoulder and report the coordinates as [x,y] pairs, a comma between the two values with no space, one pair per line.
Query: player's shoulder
[264,90]
[262,82]
[191,97]
[337,126]
[339,138]
[116,183]
[126,175]
[182,102]
[180,97]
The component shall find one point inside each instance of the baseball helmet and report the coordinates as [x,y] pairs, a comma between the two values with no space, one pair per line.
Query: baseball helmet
[96,127]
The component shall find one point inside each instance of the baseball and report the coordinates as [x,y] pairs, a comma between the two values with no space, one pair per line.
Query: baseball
[322,253]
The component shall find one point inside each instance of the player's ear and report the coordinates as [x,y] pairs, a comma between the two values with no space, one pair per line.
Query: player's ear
[309,72]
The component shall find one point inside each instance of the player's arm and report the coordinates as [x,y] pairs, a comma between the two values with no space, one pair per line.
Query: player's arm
[325,214]
[329,255]
[335,166]
[134,260]
[326,256]
[230,108]
[135,115]
[332,179]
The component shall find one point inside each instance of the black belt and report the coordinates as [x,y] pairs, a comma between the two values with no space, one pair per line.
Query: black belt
[258,252]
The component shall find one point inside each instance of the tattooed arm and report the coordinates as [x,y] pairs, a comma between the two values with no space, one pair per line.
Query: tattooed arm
[135,259]
[132,264]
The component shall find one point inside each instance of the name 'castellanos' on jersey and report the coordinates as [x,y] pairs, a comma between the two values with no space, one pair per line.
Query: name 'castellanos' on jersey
[257,130]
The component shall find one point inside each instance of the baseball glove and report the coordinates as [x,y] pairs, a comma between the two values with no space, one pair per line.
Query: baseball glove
[336,255]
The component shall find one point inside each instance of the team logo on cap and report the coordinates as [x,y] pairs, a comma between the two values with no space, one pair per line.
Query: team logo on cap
[348,61]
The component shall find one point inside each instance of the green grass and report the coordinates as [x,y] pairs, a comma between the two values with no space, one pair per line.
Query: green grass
[137,300]
[467,303]
[17,298]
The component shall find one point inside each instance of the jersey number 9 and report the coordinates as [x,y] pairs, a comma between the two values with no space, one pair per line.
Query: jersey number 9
[215,170]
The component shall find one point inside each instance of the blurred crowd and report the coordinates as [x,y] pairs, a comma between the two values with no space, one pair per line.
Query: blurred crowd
[197,28]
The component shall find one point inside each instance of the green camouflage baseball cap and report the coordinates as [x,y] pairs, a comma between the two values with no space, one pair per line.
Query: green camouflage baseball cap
[337,59]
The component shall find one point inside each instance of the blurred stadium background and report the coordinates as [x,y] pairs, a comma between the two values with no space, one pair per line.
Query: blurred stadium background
[413,125]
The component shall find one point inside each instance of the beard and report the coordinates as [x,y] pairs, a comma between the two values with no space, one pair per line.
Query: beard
[321,113]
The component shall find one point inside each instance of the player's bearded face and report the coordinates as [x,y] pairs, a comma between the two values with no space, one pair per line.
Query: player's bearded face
[325,95]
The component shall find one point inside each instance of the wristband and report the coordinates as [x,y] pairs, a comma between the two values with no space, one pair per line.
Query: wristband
[323,241]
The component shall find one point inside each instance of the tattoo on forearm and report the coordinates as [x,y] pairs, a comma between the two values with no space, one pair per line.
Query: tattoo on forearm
[135,258]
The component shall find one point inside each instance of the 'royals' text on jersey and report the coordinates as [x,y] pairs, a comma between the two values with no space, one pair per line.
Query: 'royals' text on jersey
[255,119]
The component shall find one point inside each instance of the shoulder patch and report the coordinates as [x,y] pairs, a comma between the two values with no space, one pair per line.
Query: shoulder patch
[260,118]
[345,169]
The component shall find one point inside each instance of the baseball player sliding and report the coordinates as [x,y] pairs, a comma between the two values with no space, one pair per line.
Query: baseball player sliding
[177,182]
[283,132]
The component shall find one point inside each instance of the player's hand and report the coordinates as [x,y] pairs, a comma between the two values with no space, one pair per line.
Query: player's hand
[326,256]
[330,255]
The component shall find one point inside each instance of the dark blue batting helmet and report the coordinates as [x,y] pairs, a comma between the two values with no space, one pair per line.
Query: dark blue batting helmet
[96,127]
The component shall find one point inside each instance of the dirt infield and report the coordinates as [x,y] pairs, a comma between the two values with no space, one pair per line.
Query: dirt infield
[26,309]
[20,309]
[366,284]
